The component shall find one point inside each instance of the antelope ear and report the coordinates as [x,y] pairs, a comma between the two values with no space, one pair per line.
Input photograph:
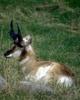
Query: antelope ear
[19,41]
[29,39]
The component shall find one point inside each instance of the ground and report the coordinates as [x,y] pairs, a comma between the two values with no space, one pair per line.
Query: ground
[55,30]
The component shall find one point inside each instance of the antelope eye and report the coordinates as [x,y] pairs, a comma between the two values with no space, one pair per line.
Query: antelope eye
[18,44]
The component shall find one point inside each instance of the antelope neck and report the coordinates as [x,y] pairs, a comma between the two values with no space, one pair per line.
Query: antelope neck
[28,61]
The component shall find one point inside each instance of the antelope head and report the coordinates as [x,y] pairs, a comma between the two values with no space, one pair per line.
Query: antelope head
[20,44]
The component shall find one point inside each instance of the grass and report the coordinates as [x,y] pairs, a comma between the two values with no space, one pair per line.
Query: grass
[54,31]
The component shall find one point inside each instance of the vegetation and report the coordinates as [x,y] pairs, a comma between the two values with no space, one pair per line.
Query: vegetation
[56,36]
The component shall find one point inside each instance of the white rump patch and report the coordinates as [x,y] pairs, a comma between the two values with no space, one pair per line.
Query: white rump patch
[65,80]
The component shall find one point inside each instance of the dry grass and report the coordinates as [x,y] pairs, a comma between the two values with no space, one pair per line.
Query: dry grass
[51,32]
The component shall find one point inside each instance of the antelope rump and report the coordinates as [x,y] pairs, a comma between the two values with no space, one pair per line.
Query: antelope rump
[36,71]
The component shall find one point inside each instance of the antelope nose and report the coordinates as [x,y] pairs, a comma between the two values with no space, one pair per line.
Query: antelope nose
[5,55]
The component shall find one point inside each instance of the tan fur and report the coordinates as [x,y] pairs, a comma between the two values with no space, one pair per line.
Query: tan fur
[38,70]
[56,70]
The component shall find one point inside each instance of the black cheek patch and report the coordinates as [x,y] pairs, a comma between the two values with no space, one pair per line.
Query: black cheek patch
[23,54]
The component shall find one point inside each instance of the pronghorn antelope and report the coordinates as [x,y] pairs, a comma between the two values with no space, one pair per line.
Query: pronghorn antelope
[34,70]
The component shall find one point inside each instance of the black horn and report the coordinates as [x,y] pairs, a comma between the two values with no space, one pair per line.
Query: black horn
[12,32]
[16,36]
[19,34]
